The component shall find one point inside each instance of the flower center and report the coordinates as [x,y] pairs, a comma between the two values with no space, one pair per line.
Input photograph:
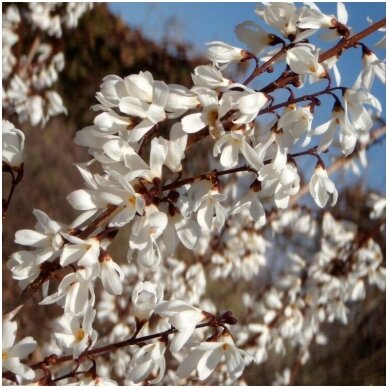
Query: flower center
[132,200]
[212,117]
[152,230]
[79,335]
[5,356]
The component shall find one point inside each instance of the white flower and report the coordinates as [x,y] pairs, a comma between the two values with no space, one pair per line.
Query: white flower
[372,66]
[221,54]
[205,358]
[209,77]
[46,238]
[210,213]
[253,36]
[281,16]
[231,144]
[175,147]
[321,186]
[111,274]
[378,204]
[74,290]
[125,197]
[147,100]
[111,90]
[180,100]
[295,122]
[145,296]
[25,267]
[283,379]
[145,232]
[13,145]
[180,228]
[356,115]
[304,60]
[74,333]
[211,115]
[12,353]
[252,202]
[314,18]
[348,135]
[183,317]
[85,252]
[248,103]
[148,360]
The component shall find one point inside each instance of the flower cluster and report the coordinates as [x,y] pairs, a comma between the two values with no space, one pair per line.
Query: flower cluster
[29,76]
[185,230]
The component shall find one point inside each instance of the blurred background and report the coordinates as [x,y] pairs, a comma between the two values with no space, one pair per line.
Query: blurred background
[168,40]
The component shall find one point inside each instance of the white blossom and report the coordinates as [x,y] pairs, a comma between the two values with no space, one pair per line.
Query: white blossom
[75,332]
[12,353]
[205,358]
[13,145]
[322,188]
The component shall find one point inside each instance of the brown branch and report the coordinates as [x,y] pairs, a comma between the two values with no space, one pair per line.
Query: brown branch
[53,269]
[207,176]
[296,369]
[265,66]
[289,77]
[215,174]
[98,221]
[220,321]
[33,49]
[15,181]
[351,41]
[309,97]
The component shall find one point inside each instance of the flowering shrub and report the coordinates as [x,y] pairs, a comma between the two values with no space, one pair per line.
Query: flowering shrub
[293,272]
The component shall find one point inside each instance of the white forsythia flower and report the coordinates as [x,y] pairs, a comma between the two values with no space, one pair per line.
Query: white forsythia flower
[182,229]
[372,67]
[85,252]
[74,289]
[378,204]
[147,99]
[314,18]
[304,60]
[221,54]
[25,267]
[356,115]
[111,274]
[213,111]
[148,360]
[295,121]
[321,186]
[230,145]
[209,77]
[13,145]
[348,135]
[12,353]
[146,231]
[46,237]
[183,317]
[145,296]
[254,36]
[210,212]
[205,358]
[75,332]
[283,378]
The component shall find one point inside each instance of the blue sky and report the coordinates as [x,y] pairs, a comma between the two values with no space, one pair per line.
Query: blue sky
[198,23]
